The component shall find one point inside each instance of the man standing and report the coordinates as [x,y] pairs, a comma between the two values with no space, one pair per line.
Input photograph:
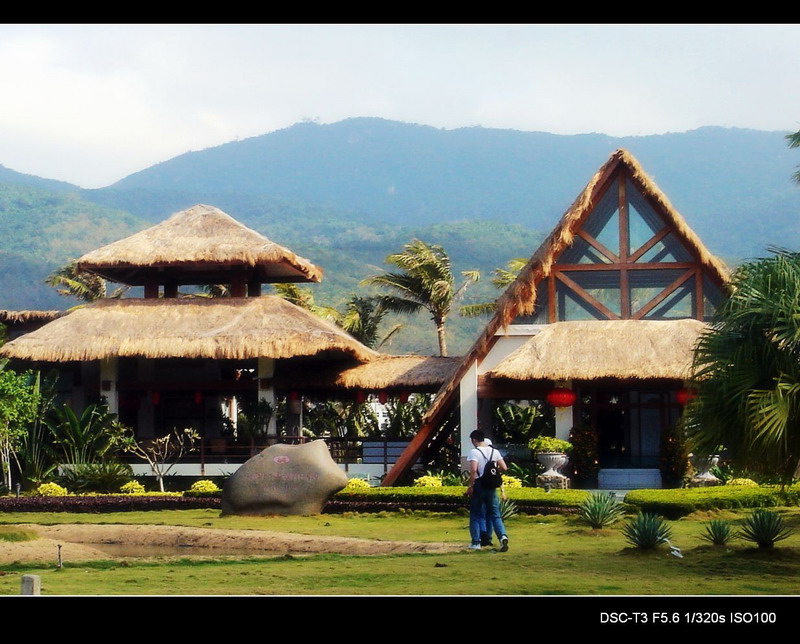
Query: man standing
[484,507]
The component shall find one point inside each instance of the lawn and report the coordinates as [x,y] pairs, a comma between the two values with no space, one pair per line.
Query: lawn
[549,555]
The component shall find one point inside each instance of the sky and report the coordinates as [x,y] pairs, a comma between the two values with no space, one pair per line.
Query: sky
[91,104]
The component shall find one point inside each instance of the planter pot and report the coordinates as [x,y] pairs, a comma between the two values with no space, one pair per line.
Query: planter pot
[703,465]
[553,462]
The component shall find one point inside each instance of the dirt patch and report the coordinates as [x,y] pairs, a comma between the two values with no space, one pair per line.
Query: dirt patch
[78,542]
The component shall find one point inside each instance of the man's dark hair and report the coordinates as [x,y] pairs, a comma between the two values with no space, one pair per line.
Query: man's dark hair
[478,435]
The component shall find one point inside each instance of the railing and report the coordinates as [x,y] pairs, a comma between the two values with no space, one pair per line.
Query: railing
[347,451]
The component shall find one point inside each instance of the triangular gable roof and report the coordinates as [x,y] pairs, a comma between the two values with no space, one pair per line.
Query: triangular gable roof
[200,235]
[520,296]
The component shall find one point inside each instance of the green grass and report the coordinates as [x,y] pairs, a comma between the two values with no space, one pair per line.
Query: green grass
[10,533]
[548,555]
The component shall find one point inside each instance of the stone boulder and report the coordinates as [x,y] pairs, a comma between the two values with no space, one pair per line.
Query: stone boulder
[284,479]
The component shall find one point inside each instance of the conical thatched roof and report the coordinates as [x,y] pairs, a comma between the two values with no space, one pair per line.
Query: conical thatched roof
[385,372]
[588,350]
[216,328]
[203,241]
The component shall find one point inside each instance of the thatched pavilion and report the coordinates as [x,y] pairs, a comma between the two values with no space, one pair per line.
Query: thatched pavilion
[166,360]
[609,309]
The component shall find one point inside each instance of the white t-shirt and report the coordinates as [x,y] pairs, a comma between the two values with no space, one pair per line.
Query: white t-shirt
[482,455]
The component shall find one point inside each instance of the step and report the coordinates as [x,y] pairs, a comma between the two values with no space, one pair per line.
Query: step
[628,479]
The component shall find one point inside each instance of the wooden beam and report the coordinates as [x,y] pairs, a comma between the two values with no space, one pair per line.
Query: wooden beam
[577,288]
[624,251]
[662,295]
[552,311]
[599,247]
[666,230]
[650,266]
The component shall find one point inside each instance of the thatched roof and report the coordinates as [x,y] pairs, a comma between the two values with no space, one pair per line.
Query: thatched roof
[216,328]
[385,372]
[21,317]
[201,239]
[588,350]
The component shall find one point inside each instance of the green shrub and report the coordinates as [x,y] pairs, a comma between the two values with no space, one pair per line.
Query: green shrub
[646,531]
[718,532]
[204,486]
[132,487]
[549,444]
[764,527]
[428,481]
[600,510]
[51,489]
[674,504]
[508,509]
[742,482]
[356,484]
[584,460]
[104,477]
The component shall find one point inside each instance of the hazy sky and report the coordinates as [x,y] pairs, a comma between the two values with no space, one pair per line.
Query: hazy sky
[90,104]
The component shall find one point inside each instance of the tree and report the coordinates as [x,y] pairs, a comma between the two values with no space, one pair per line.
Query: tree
[362,318]
[164,452]
[18,406]
[794,142]
[69,281]
[747,370]
[425,281]
[502,278]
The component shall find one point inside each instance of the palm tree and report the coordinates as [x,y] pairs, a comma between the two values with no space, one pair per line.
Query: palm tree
[747,370]
[87,287]
[502,278]
[794,142]
[425,281]
[362,317]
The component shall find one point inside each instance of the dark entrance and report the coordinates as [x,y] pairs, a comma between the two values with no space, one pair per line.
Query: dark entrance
[629,420]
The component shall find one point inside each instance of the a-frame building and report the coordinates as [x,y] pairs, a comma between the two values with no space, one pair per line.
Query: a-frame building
[610,305]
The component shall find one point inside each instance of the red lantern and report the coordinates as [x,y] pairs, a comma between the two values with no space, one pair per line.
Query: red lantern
[156,397]
[684,396]
[383,397]
[561,397]
[198,397]
[293,395]
[404,397]
[361,397]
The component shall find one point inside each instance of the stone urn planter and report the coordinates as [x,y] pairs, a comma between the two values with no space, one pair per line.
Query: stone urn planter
[552,461]
[703,466]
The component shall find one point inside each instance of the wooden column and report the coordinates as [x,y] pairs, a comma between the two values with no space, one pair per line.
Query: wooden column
[253,289]
[564,416]
[108,383]
[468,391]
[266,391]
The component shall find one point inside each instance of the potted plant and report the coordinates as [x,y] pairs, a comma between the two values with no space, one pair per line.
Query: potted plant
[550,452]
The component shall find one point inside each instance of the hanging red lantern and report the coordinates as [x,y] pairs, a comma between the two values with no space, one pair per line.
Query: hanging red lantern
[198,397]
[685,395]
[361,397]
[383,396]
[155,397]
[293,395]
[404,396]
[561,397]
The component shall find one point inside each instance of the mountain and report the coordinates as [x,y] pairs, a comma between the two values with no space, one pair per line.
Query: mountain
[398,173]
[347,194]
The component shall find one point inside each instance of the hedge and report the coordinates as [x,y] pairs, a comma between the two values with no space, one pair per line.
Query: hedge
[677,503]
[438,499]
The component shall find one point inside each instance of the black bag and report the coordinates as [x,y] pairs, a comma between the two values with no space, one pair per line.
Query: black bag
[491,477]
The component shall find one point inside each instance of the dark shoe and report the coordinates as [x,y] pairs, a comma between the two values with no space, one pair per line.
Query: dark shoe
[504,544]
[486,540]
